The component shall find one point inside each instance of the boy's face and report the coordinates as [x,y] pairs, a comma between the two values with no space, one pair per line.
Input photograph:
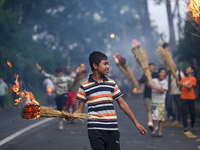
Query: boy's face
[162,74]
[58,74]
[152,68]
[189,70]
[103,67]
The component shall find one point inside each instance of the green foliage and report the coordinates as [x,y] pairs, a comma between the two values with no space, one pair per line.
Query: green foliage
[63,32]
[189,45]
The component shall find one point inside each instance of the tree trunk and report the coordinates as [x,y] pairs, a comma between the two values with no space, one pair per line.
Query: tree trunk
[147,30]
[172,41]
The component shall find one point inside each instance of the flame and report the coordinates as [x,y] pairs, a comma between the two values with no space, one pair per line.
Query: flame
[118,59]
[25,96]
[135,43]
[49,90]
[29,111]
[81,68]
[194,7]
[9,64]
[134,90]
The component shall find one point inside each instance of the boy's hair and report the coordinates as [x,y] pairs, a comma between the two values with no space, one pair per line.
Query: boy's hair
[151,64]
[192,67]
[96,57]
[162,68]
[58,69]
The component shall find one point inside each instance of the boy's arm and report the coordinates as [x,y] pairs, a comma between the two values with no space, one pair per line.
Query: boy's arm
[187,86]
[51,77]
[158,89]
[124,106]
[80,109]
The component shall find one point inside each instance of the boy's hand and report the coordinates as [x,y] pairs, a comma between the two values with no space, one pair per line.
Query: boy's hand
[141,129]
[153,87]
[179,83]
[38,66]
[69,117]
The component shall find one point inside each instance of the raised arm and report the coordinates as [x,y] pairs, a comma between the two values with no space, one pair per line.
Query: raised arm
[125,108]
[51,77]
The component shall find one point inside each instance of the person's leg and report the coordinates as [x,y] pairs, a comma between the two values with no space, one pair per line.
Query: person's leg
[184,112]
[170,108]
[73,101]
[191,105]
[112,140]
[97,140]
[147,105]
[177,100]
[1,102]
[59,107]
[160,126]
[154,125]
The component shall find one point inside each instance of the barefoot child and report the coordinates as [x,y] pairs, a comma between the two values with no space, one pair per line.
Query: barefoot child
[100,92]
[160,85]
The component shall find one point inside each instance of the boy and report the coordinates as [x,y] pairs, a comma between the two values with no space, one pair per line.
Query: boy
[148,93]
[160,85]
[188,97]
[99,92]
[61,88]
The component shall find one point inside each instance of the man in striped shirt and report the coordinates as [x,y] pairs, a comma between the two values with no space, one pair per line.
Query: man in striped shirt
[99,93]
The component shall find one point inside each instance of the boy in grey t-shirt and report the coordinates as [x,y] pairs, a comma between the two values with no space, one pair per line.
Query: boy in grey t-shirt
[160,85]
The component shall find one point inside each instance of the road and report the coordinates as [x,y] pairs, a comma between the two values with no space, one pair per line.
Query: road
[74,136]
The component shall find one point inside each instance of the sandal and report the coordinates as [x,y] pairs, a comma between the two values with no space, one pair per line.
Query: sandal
[159,134]
[153,133]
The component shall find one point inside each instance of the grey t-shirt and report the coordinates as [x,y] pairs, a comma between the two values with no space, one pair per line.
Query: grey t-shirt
[157,96]
[3,87]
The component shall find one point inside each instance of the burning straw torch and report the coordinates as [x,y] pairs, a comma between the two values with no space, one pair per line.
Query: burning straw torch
[142,59]
[124,67]
[32,108]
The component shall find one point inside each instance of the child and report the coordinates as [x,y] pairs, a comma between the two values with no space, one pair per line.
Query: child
[99,92]
[188,97]
[160,85]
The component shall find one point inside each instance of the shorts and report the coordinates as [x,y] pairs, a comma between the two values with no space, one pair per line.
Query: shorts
[147,103]
[158,111]
[71,99]
[60,101]
[104,139]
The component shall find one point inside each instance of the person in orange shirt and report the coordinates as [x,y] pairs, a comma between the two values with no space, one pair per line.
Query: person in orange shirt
[188,97]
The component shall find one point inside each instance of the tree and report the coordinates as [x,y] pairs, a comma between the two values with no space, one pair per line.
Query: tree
[188,48]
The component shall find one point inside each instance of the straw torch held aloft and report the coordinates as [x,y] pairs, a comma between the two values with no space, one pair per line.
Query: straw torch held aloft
[165,55]
[142,59]
[124,67]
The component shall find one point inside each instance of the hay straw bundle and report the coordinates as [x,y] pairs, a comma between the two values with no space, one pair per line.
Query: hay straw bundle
[142,59]
[165,55]
[49,112]
[36,111]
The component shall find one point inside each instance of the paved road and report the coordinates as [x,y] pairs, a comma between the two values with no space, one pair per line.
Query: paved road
[74,136]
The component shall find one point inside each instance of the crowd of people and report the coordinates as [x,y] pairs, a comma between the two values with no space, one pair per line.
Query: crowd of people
[99,92]
[164,93]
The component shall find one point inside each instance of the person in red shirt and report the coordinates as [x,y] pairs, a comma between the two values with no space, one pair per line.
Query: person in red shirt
[188,97]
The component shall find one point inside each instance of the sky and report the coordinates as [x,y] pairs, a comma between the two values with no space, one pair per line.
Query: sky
[158,16]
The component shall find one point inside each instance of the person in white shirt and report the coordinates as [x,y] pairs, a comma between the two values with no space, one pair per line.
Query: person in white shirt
[160,86]
[174,95]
